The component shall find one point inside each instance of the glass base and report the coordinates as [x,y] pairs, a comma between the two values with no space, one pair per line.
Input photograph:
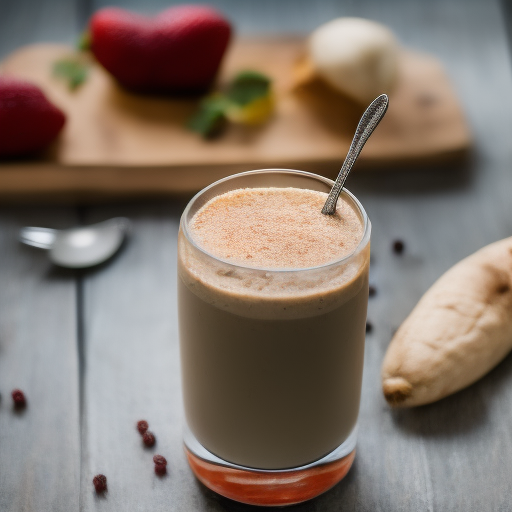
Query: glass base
[269,487]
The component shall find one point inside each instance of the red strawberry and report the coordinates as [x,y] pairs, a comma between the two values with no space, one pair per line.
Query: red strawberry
[179,50]
[28,121]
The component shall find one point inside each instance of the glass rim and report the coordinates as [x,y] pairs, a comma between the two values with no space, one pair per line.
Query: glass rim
[361,245]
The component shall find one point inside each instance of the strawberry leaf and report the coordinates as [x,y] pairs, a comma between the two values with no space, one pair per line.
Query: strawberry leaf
[73,70]
[247,87]
[84,41]
[214,111]
[210,119]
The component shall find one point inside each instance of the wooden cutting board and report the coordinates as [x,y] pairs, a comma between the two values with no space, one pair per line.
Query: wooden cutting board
[118,144]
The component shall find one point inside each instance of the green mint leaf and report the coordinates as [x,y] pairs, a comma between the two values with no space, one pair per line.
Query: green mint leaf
[247,87]
[84,41]
[72,69]
[212,115]
[210,118]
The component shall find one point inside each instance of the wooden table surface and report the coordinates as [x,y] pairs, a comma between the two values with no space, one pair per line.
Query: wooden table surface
[95,351]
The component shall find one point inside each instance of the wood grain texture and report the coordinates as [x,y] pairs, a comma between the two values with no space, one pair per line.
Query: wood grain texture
[39,445]
[132,371]
[454,456]
[116,143]
[450,456]
[447,456]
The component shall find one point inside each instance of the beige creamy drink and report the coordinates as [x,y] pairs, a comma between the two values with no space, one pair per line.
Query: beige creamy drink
[272,347]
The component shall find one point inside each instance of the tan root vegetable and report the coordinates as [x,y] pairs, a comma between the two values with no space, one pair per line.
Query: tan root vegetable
[459,330]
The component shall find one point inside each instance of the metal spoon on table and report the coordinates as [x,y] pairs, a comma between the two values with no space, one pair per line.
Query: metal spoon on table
[368,122]
[80,247]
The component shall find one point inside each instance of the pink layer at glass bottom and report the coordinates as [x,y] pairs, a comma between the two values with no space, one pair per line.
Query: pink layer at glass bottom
[269,488]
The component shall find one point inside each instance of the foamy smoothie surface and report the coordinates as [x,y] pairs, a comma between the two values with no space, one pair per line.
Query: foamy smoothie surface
[276,228]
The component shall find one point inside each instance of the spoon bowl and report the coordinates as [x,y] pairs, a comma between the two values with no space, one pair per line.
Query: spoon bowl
[82,246]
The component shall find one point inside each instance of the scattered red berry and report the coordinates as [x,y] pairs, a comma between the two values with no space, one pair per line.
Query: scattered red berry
[148,438]
[160,464]
[369,327]
[398,247]
[372,291]
[18,398]
[142,427]
[160,460]
[100,483]
[160,469]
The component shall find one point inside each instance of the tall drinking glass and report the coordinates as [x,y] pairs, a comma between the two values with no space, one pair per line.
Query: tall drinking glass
[271,360]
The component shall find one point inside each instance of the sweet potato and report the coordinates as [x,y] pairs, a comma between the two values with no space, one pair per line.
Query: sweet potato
[459,330]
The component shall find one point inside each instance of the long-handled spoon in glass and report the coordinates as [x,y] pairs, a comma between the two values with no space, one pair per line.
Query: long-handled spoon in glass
[368,122]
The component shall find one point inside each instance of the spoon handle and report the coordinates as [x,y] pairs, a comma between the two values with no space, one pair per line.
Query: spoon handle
[368,122]
[38,237]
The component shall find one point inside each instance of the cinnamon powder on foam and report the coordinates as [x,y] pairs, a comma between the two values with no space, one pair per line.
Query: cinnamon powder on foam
[275,228]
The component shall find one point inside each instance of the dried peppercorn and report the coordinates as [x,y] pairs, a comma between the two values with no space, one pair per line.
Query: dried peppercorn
[160,459]
[372,291]
[398,246]
[100,483]
[142,427]
[160,464]
[160,469]
[369,327]
[18,398]
[148,438]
